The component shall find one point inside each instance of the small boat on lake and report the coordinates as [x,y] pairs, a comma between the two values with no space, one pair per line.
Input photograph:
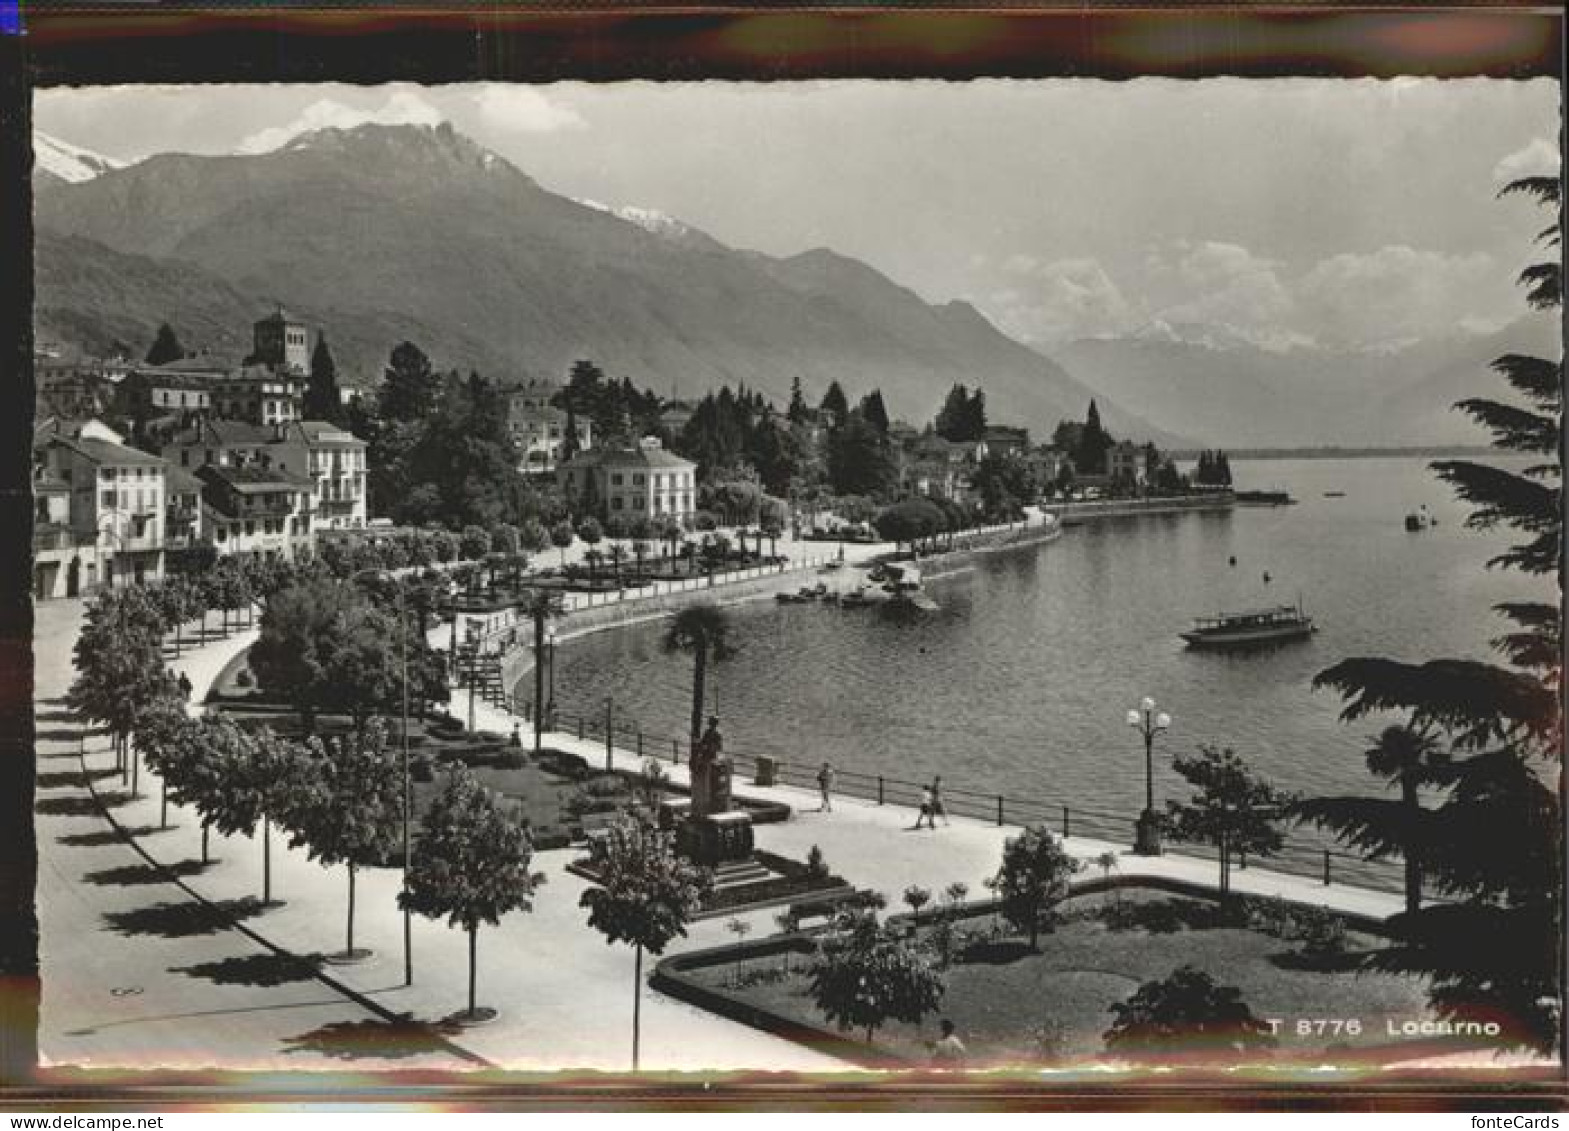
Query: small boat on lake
[1251,629]
[1419,519]
[857,599]
[1334,494]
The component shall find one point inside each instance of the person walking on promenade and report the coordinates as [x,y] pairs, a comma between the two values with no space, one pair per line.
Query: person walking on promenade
[185,686]
[926,808]
[937,809]
[825,785]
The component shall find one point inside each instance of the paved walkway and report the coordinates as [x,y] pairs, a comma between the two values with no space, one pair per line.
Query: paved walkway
[134,974]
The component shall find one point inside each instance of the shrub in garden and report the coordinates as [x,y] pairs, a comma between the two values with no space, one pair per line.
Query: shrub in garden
[1187,1012]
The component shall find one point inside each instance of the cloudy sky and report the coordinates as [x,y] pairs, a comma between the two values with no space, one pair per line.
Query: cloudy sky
[1286,213]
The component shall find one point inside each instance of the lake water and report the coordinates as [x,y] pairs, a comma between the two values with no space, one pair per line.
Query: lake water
[1020,683]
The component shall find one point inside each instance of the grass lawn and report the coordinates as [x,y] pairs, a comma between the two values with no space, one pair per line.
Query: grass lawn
[1003,998]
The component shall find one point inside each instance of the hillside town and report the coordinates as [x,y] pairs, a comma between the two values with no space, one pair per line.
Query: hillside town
[163,465]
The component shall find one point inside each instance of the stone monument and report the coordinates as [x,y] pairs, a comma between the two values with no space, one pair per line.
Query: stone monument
[713,831]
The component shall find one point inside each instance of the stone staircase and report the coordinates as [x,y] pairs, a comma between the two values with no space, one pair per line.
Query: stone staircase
[739,873]
[482,671]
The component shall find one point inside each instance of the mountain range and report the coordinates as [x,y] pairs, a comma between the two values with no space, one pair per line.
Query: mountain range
[386,233]
[1244,396]
[380,234]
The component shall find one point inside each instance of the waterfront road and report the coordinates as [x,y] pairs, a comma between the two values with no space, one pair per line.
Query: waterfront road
[135,973]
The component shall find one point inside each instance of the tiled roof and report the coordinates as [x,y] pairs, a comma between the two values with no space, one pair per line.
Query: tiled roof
[325,432]
[178,479]
[223,433]
[256,480]
[628,458]
[102,451]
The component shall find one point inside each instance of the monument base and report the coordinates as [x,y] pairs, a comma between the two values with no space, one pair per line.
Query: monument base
[718,838]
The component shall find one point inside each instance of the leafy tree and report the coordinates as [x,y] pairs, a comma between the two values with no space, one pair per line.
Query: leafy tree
[953,419]
[910,520]
[1089,455]
[859,462]
[325,647]
[473,543]
[797,412]
[1033,879]
[166,347]
[1489,948]
[1186,1012]
[409,386]
[1231,808]
[561,537]
[322,398]
[866,975]
[245,779]
[354,815]
[874,411]
[1404,757]
[703,631]
[835,406]
[120,673]
[187,754]
[1004,486]
[917,897]
[645,897]
[589,532]
[470,863]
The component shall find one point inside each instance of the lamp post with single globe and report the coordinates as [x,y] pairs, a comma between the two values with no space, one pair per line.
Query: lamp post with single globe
[1148,722]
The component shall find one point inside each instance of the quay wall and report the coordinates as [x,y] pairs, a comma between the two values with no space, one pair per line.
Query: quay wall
[1074,513]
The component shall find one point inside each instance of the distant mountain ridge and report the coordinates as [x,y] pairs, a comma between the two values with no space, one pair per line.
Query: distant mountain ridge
[382,233]
[1240,396]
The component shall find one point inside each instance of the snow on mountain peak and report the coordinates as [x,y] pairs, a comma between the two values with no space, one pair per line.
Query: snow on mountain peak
[649,219]
[70,162]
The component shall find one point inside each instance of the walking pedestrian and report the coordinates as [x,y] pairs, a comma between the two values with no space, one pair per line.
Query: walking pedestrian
[185,686]
[825,785]
[926,808]
[937,808]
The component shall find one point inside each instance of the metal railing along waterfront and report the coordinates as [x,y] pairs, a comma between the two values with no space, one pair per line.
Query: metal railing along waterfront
[1297,856]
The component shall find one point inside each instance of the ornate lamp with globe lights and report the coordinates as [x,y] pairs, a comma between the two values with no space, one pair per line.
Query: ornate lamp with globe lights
[1148,722]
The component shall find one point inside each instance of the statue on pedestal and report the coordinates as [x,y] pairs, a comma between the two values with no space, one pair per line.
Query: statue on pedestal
[713,831]
[710,773]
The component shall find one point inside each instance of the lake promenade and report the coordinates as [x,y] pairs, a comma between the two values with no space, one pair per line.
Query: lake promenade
[564,996]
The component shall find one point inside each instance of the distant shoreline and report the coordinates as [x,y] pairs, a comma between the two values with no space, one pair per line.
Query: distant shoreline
[1349,453]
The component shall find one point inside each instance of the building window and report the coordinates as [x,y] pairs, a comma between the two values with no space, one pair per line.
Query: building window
[637,480]
[615,480]
[615,503]
[108,500]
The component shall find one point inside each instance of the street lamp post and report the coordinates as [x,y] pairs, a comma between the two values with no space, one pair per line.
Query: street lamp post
[550,696]
[1148,722]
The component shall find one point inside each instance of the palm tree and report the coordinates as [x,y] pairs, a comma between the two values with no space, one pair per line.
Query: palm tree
[1409,757]
[540,605]
[704,631]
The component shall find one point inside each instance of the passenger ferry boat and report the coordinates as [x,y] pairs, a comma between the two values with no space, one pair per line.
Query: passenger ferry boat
[1251,629]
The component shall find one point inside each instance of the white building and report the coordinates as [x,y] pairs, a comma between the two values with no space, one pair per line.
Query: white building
[642,482]
[333,458]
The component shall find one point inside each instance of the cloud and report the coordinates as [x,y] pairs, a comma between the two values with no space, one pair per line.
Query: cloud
[1227,288]
[1538,158]
[1398,293]
[514,108]
[1061,300]
[402,108]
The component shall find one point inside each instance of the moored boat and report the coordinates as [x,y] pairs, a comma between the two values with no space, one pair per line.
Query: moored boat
[1250,629]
